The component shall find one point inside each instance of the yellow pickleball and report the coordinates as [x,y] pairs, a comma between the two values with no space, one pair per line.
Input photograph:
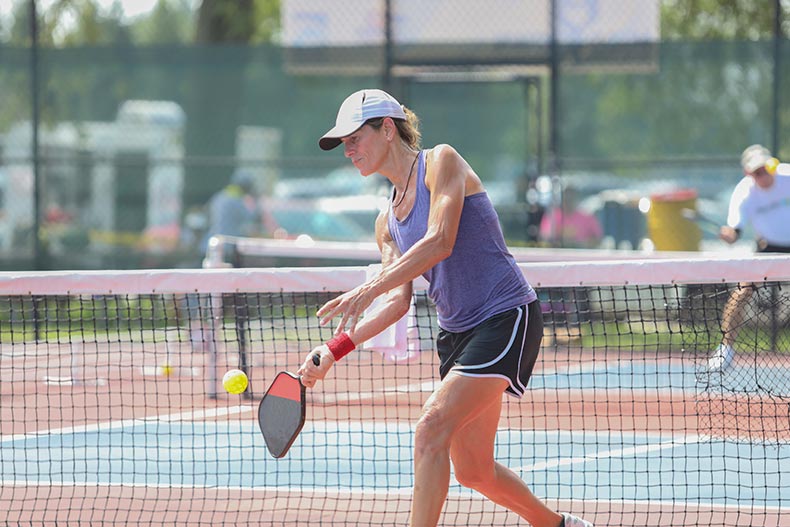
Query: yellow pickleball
[235,381]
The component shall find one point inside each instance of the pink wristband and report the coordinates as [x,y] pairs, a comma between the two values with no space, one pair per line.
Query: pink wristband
[340,346]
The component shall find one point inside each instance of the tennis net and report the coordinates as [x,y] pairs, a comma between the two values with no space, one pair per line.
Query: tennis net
[111,411]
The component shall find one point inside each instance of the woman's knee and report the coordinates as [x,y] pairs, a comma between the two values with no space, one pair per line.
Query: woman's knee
[432,433]
[472,473]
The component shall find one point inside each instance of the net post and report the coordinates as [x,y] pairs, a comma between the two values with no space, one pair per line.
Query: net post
[215,253]
[210,314]
[214,313]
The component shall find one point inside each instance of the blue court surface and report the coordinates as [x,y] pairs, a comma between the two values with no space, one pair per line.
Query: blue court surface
[656,376]
[601,466]
[377,457]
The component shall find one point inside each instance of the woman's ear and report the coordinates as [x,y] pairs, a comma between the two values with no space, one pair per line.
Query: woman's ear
[389,129]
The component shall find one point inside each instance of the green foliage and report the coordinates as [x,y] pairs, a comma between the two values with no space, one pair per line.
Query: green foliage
[18,32]
[93,27]
[699,339]
[59,318]
[719,19]
[267,21]
[703,98]
[65,23]
[170,22]
[225,21]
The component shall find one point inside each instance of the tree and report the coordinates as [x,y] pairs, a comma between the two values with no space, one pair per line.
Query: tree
[169,22]
[226,21]
[68,23]
[92,26]
[19,30]
[267,21]
[715,19]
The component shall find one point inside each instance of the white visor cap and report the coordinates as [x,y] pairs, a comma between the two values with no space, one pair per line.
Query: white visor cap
[754,158]
[356,110]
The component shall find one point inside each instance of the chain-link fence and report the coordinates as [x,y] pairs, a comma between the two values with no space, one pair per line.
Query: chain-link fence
[110,155]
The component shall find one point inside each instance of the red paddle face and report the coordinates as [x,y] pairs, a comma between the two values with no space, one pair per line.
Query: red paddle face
[281,413]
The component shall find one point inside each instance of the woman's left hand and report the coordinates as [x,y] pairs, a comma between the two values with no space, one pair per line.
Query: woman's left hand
[350,306]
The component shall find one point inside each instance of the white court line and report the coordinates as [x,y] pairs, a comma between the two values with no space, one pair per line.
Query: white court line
[334,492]
[619,452]
[421,387]
[574,369]
[587,367]
[112,425]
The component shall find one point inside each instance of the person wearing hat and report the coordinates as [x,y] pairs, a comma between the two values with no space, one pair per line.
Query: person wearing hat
[440,224]
[761,200]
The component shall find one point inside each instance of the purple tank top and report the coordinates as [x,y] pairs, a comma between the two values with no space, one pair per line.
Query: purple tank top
[480,278]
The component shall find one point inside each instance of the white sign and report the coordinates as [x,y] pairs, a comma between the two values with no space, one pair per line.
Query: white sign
[345,23]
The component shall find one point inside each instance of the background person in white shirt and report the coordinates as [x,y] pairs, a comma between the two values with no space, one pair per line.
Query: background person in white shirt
[760,200]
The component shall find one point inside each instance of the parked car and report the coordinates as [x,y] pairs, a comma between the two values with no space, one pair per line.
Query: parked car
[343,181]
[291,219]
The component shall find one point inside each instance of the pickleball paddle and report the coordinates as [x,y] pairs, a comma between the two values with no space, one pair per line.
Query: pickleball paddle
[281,413]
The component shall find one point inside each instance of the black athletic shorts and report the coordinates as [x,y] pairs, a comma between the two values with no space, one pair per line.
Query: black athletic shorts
[505,345]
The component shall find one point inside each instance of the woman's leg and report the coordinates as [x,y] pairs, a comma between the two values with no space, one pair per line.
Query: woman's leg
[472,453]
[455,402]
[451,418]
[732,316]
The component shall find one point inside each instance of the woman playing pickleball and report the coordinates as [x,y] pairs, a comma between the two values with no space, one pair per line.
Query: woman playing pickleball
[441,224]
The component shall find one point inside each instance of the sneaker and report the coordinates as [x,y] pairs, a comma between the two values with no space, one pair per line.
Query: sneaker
[569,520]
[721,359]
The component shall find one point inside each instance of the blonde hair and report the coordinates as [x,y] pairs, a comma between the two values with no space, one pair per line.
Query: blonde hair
[408,129]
